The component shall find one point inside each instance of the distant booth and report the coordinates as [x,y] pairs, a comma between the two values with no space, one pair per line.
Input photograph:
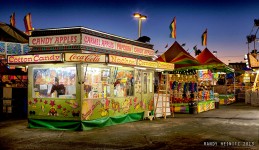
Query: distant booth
[219,72]
[185,82]
[193,80]
[82,78]
[252,95]
[13,78]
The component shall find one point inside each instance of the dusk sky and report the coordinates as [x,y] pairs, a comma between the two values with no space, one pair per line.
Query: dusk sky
[228,21]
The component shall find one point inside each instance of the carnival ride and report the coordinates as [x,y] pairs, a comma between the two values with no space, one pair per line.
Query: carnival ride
[253,56]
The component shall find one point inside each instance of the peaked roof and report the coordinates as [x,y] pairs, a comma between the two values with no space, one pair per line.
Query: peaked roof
[177,55]
[207,58]
[9,33]
[209,61]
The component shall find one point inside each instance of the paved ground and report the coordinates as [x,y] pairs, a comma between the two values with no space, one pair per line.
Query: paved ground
[235,126]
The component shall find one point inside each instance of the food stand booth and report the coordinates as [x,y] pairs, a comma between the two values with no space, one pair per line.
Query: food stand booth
[81,79]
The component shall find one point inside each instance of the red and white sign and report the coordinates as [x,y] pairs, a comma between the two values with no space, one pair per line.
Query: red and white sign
[124,47]
[84,57]
[55,40]
[122,60]
[33,58]
[98,42]
[108,44]
[88,40]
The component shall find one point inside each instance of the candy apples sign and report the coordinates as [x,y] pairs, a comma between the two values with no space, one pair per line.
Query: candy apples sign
[55,40]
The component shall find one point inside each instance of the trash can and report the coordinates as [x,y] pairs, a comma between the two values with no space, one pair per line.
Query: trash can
[216,98]
[216,105]
[192,107]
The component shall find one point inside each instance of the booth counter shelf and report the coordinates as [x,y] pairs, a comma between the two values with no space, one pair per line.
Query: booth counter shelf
[201,106]
[225,99]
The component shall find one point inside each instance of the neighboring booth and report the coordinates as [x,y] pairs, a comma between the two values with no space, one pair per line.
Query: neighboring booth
[186,80]
[244,79]
[83,79]
[13,78]
[252,95]
[193,79]
[218,76]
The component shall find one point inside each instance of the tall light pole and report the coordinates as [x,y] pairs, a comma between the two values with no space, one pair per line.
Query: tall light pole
[140,18]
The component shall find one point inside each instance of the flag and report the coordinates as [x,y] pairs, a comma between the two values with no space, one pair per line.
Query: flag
[195,48]
[27,23]
[166,46]
[204,38]
[12,19]
[173,28]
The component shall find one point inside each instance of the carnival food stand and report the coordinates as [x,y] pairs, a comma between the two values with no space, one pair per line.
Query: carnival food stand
[108,79]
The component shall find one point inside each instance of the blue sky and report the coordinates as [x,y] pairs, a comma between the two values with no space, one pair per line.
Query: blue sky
[228,21]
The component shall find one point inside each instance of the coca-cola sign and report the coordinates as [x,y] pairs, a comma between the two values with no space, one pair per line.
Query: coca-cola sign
[76,57]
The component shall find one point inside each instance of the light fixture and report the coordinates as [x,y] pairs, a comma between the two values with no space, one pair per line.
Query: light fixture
[140,68]
[113,65]
[140,18]
[160,70]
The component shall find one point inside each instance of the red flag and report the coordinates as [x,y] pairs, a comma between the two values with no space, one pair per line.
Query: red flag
[27,23]
[12,19]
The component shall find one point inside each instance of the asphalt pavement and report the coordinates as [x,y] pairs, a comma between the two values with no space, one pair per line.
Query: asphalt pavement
[234,126]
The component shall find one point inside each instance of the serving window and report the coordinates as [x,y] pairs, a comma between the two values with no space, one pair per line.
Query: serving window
[124,82]
[59,82]
[96,82]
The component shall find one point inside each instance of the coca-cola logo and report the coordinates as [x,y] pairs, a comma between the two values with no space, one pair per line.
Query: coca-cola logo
[84,57]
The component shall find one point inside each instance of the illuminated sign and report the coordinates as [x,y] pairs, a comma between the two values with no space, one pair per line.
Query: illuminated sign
[122,60]
[89,40]
[98,42]
[34,58]
[55,40]
[147,63]
[164,65]
[84,57]
[124,47]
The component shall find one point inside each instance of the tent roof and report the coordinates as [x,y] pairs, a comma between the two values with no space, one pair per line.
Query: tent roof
[206,58]
[9,33]
[177,55]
